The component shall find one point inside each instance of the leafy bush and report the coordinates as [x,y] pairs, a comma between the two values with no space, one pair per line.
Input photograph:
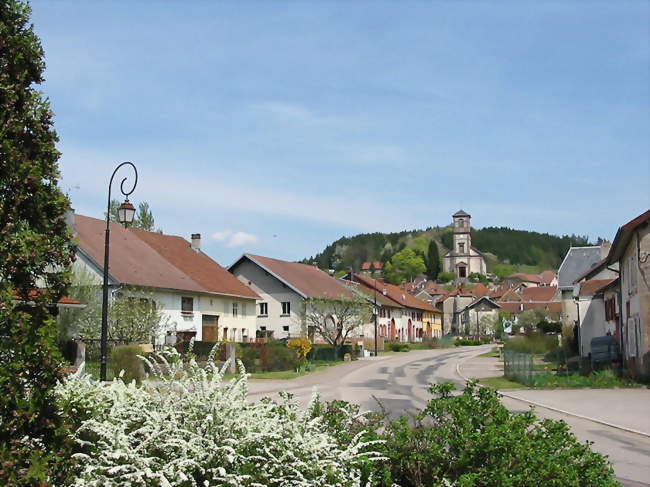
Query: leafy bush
[446,277]
[125,358]
[471,439]
[275,355]
[399,347]
[198,430]
[533,343]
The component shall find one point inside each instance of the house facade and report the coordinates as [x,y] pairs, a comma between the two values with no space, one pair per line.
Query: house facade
[413,320]
[463,259]
[282,288]
[590,307]
[473,316]
[198,298]
[631,250]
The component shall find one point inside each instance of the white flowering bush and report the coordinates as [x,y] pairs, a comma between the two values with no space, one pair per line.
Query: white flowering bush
[189,427]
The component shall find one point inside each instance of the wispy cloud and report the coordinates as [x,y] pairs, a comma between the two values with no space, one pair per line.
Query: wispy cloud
[235,239]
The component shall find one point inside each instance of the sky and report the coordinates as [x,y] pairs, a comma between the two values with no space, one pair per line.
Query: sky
[277,127]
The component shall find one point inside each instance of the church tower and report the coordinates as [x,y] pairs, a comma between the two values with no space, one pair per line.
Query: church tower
[462,242]
[463,259]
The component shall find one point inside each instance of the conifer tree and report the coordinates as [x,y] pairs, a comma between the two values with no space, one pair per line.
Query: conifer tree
[35,250]
[433,261]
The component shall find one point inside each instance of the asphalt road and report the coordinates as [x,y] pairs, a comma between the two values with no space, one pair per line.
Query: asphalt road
[399,384]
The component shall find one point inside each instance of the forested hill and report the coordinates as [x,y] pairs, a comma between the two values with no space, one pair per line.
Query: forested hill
[502,246]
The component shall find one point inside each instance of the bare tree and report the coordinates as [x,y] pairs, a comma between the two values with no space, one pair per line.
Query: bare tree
[335,319]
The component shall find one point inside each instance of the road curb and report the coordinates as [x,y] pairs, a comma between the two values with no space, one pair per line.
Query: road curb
[552,408]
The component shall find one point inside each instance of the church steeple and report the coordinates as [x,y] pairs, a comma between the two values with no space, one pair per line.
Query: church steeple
[461,221]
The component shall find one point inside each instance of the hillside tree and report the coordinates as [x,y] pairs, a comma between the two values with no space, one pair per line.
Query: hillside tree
[433,261]
[405,265]
[35,251]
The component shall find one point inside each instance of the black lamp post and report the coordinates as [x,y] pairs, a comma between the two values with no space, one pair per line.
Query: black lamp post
[125,215]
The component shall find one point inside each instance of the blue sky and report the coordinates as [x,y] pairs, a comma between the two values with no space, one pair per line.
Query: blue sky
[277,127]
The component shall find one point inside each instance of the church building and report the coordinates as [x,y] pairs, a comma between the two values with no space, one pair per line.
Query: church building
[463,259]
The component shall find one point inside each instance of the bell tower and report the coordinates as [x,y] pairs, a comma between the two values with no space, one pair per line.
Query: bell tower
[462,242]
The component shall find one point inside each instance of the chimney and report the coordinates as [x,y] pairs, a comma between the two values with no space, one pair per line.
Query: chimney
[196,241]
[70,221]
[604,248]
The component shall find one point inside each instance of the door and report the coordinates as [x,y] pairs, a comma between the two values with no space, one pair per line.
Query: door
[210,328]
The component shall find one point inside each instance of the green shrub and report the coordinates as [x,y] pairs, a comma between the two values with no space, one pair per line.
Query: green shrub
[464,342]
[125,357]
[399,347]
[471,439]
[275,355]
[446,277]
[533,343]
[604,378]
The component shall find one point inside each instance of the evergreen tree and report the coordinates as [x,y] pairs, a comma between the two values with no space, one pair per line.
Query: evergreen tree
[34,251]
[433,261]
[143,217]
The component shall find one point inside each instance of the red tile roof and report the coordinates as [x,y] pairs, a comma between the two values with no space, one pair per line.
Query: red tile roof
[33,294]
[510,295]
[510,307]
[307,280]
[592,287]
[371,294]
[526,277]
[541,293]
[433,287]
[365,266]
[551,306]
[500,291]
[151,259]
[623,236]
[480,290]
[547,277]
[395,293]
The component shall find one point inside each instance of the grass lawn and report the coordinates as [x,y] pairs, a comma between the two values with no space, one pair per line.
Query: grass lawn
[501,383]
[491,353]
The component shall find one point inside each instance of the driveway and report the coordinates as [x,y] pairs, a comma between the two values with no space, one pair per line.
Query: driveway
[400,384]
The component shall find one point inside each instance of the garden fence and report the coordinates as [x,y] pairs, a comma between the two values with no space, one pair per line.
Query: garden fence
[518,365]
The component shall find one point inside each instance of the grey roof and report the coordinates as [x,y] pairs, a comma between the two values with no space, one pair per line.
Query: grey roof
[577,262]
[460,213]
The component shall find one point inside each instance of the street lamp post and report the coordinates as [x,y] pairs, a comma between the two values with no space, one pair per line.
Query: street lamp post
[125,215]
[376,317]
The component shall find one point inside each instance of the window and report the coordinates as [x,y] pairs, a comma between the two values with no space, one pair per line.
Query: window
[225,334]
[264,309]
[286,308]
[461,247]
[243,310]
[187,306]
[235,309]
[462,271]
[285,328]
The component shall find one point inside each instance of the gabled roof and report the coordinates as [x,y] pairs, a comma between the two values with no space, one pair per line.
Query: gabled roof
[520,276]
[539,293]
[395,293]
[460,213]
[480,290]
[149,259]
[370,294]
[623,236]
[577,261]
[547,277]
[307,280]
[433,287]
[510,295]
[510,307]
[483,299]
[594,286]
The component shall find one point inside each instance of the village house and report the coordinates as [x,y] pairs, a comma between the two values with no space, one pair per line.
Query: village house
[631,250]
[283,288]
[473,316]
[417,318]
[375,268]
[452,305]
[590,304]
[198,298]
[577,262]
[463,259]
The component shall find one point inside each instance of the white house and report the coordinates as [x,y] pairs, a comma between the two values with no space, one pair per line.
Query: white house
[283,287]
[631,250]
[198,297]
[590,307]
